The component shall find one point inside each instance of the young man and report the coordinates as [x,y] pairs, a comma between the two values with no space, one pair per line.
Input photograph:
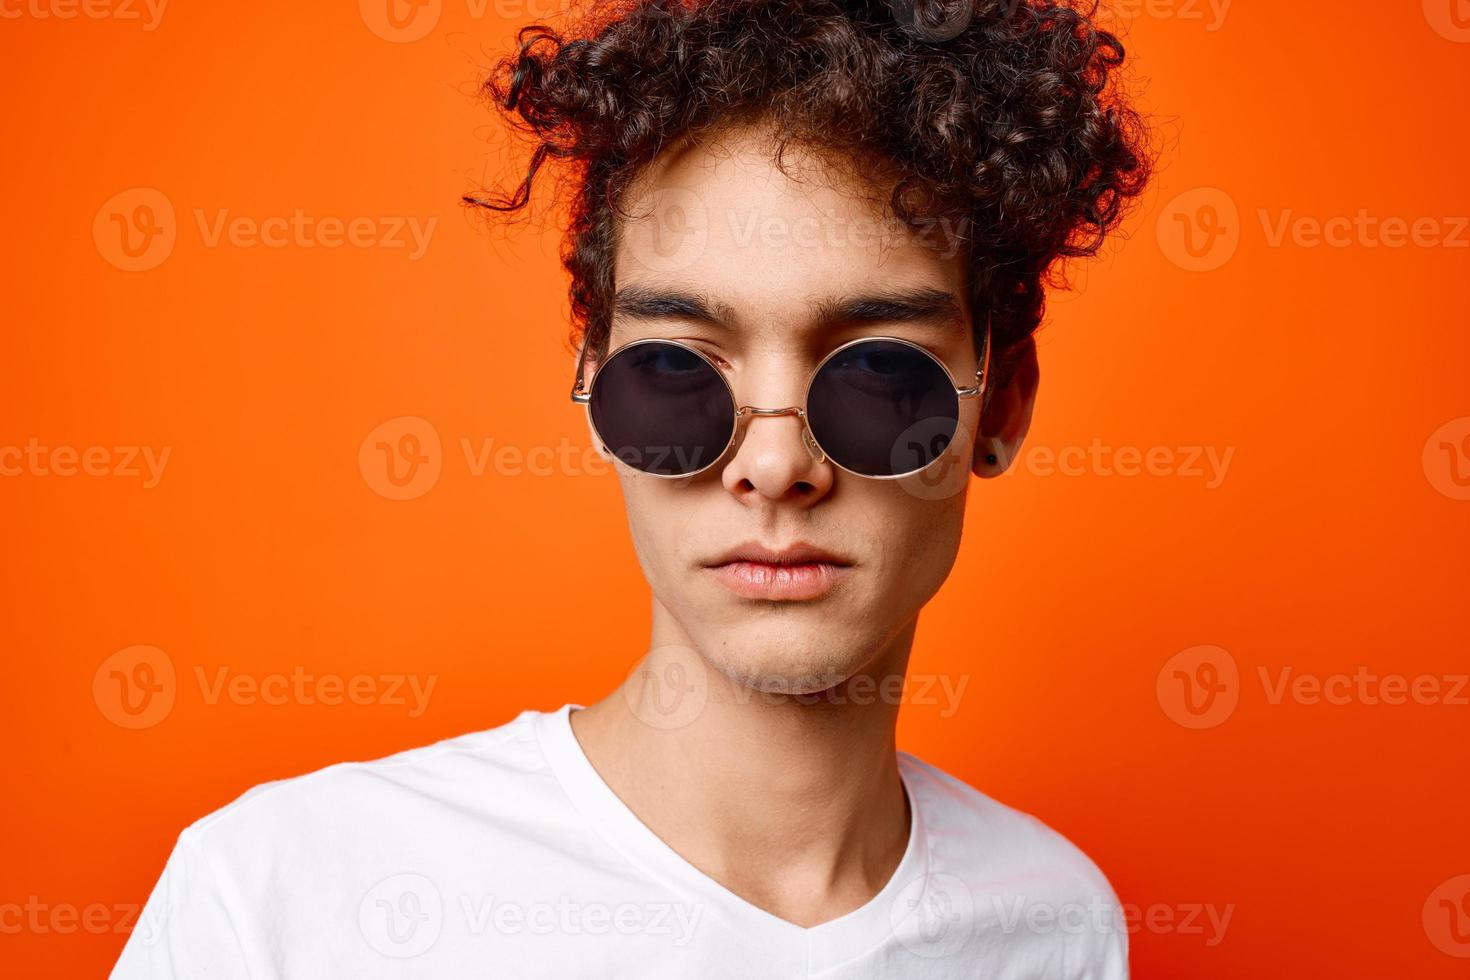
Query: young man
[807,252]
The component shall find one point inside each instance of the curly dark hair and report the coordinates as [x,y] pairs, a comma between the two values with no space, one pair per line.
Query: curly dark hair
[1003,118]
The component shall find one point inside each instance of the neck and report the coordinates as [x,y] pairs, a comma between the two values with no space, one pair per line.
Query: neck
[794,803]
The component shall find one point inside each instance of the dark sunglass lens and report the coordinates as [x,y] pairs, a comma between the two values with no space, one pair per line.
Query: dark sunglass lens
[662,409]
[883,408]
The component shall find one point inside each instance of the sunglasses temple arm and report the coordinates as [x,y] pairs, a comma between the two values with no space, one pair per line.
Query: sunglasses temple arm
[579,391]
[983,375]
[981,387]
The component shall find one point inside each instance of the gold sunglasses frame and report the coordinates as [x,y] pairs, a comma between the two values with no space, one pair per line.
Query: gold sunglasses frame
[582,395]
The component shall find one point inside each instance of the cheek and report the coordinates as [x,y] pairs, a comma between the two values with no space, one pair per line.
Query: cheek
[640,509]
[660,516]
[939,489]
[934,543]
[912,530]
[937,523]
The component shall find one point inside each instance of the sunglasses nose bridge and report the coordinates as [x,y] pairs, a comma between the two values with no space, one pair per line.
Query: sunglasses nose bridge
[807,439]
[752,410]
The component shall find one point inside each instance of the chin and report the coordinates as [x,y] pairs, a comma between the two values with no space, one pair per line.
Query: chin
[786,660]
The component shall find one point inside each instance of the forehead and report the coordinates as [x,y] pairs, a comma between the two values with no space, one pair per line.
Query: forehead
[774,249]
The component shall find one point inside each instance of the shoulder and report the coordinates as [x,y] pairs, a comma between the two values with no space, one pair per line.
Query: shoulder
[272,875]
[358,802]
[972,824]
[1021,881]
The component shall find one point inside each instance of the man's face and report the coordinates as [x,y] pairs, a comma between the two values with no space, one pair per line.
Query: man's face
[769,257]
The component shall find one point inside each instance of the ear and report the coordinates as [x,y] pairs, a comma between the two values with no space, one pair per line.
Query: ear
[1007,416]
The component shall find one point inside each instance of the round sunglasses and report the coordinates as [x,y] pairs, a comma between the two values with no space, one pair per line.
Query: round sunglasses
[877,407]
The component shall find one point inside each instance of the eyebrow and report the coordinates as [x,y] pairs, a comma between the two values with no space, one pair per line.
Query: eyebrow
[921,305]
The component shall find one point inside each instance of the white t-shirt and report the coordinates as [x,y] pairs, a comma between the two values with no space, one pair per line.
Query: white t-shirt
[502,853]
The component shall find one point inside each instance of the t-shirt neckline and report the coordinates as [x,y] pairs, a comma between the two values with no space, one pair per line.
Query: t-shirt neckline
[827,944]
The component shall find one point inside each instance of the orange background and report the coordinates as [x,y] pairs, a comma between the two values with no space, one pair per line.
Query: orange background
[1334,541]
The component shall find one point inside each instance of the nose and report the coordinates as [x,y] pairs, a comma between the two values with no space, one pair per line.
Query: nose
[776,458]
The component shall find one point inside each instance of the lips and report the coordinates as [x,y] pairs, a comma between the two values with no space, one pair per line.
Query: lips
[795,572]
